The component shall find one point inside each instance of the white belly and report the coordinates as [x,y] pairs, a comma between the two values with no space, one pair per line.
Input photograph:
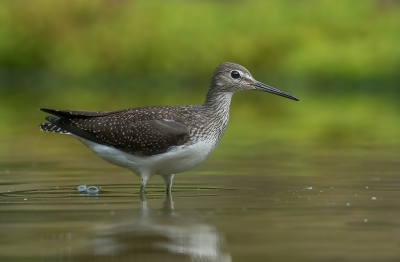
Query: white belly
[176,160]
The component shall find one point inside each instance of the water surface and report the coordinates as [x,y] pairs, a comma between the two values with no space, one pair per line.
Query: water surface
[246,203]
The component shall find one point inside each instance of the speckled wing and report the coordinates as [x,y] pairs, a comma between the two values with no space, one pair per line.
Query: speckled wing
[124,130]
[145,137]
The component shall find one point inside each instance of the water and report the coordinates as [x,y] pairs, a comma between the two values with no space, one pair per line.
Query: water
[245,203]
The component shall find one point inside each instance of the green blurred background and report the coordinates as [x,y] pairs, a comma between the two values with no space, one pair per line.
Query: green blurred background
[340,58]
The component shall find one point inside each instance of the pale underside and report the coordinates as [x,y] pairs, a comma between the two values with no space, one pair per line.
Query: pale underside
[178,159]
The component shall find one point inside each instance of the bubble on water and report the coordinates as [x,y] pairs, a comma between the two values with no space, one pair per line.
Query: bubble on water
[366,187]
[81,188]
[112,213]
[365,220]
[25,199]
[348,204]
[309,188]
[373,198]
[92,190]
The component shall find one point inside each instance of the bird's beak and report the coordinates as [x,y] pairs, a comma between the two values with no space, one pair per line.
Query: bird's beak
[266,88]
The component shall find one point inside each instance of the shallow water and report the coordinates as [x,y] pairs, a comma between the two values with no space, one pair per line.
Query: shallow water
[247,203]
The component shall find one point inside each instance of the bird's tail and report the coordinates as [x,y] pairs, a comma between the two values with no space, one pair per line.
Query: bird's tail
[52,127]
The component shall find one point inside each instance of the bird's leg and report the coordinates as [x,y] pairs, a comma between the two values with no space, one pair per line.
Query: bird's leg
[143,187]
[168,183]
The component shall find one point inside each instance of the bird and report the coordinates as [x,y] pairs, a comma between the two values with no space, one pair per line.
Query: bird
[159,140]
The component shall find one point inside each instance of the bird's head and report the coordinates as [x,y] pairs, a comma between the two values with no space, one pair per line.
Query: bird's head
[231,77]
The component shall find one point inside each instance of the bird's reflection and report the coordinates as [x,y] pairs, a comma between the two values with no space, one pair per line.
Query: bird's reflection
[159,235]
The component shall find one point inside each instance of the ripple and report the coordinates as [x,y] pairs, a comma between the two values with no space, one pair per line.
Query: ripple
[109,191]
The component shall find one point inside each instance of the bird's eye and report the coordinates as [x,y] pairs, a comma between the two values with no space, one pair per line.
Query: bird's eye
[235,74]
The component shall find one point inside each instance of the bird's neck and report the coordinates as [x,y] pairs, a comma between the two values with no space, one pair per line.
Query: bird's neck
[218,102]
[216,109]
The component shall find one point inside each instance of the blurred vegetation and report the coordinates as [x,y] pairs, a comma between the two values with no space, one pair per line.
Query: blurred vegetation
[341,58]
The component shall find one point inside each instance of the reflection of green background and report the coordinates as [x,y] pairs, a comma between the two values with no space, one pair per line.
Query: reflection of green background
[341,58]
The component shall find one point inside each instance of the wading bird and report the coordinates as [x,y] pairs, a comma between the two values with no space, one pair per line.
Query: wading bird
[159,140]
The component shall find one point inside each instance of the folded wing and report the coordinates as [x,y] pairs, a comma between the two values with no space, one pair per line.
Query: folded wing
[125,130]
